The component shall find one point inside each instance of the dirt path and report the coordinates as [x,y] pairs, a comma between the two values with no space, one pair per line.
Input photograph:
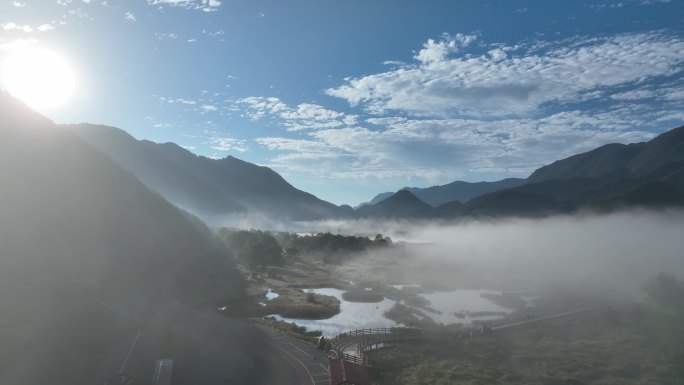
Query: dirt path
[530,321]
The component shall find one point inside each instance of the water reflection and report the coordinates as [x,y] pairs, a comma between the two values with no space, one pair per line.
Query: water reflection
[354,315]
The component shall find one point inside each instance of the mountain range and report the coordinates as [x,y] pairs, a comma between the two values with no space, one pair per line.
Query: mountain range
[608,177]
[454,191]
[209,188]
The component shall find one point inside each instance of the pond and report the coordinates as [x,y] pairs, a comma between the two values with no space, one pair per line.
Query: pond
[271,295]
[354,315]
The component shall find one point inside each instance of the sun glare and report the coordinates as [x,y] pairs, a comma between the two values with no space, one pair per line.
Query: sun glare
[39,77]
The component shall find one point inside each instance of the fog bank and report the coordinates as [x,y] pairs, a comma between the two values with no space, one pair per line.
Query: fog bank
[611,253]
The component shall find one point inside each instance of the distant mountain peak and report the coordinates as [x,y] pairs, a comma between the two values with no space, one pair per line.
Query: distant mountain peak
[403,204]
[404,196]
[453,191]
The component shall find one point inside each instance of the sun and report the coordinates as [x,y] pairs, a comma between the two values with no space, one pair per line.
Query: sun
[39,77]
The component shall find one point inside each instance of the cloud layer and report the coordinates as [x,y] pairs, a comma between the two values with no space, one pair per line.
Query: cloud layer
[513,80]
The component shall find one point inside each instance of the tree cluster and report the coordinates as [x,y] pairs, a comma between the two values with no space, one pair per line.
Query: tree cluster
[255,248]
[258,248]
[330,247]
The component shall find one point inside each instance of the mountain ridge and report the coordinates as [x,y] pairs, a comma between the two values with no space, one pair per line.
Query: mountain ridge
[453,191]
[220,186]
[610,177]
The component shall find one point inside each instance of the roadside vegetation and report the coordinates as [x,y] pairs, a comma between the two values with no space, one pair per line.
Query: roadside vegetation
[290,329]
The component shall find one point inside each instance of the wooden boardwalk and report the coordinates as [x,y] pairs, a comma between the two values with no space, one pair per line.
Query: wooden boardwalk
[352,345]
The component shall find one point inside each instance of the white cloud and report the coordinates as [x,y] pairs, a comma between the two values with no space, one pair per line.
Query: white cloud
[130,16]
[438,51]
[164,36]
[216,34]
[387,121]
[228,144]
[513,80]
[169,100]
[209,108]
[27,28]
[305,116]
[308,148]
[11,26]
[440,150]
[203,5]
[18,4]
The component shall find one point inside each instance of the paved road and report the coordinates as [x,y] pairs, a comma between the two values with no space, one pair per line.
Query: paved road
[311,364]
[207,348]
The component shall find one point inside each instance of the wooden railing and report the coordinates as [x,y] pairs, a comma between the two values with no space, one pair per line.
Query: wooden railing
[366,340]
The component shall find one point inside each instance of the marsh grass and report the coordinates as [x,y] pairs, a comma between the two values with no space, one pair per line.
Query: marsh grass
[292,303]
[625,346]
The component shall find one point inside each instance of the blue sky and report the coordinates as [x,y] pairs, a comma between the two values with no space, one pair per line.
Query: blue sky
[347,99]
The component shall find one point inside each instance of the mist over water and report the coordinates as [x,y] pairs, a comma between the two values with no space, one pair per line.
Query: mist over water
[614,253]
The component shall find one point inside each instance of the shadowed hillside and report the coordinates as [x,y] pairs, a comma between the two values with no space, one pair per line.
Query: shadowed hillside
[403,204]
[207,187]
[89,256]
[454,191]
[608,178]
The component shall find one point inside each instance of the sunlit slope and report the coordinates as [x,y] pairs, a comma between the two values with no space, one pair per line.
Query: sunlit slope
[80,240]
[207,187]
[615,160]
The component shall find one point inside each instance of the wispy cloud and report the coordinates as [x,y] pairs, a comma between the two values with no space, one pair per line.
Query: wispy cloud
[29,28]
[203,5]
[305,116]
[430,149]
[209,108]
[225,144]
